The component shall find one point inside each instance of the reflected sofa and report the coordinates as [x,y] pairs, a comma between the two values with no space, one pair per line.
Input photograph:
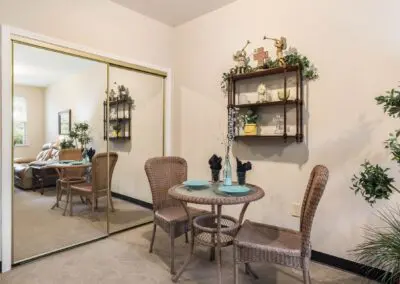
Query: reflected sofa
[23,173]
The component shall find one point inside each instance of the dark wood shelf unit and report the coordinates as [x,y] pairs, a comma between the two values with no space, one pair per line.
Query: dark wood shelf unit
[266,104]
[124,105]
[265,72]
[286,104]
[285,138]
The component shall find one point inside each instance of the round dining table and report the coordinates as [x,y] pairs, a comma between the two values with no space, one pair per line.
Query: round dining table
[214,230]
[61,169]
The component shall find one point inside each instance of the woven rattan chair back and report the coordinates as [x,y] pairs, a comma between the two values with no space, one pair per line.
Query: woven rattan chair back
[100,171]
[315,189]
[74,155]
[163,173]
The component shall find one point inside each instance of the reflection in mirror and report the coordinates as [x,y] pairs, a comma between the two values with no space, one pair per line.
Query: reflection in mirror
[135,132]
[58,125]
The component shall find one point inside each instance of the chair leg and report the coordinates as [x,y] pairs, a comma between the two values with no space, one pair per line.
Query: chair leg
[186,237]
[153,236]
[111,203]
[70,203]
[235,267]
[96,203]
[172,247]
[66,203]
[306,271]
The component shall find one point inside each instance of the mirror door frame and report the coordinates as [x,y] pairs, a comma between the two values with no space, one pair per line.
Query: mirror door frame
[10,35]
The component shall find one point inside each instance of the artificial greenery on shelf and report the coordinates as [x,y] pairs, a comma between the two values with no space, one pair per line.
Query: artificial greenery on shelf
[381,246]
[250,117]
[291,57]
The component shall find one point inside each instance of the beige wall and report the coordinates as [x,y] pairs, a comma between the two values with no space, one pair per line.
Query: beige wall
[84,94]
[35,125]
[100,24]
[355,45]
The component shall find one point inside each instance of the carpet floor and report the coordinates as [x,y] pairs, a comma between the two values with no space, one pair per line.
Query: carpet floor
[39,229]
[124,258]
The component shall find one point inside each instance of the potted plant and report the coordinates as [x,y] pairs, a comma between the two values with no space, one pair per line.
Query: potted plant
[117,130]
[80,134]
[241,169]
[215,166]
[381,246]
[67,144]
[249,121]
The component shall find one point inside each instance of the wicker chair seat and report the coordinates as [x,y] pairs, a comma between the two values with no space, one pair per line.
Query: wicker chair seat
[175,216]
[260,242]
[83,187]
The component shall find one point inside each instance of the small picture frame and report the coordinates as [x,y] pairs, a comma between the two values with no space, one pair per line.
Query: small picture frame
[64,122]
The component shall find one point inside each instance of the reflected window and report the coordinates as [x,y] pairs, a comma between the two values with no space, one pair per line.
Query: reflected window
[20,120]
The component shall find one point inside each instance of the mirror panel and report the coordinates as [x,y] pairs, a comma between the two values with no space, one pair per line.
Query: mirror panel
[136,134]
[53,92]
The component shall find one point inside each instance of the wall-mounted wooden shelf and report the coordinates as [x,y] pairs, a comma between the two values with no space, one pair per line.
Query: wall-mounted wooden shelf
[265,72]
[296,103]
[266,104]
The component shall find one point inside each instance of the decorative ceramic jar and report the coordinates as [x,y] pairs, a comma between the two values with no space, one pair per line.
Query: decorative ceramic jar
[281,95]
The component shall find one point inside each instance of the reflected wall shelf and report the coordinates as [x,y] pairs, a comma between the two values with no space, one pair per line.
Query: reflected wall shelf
[119,118]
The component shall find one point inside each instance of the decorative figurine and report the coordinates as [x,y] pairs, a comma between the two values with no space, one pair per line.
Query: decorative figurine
[278,124]
[261,56]
[262,93]
[280,45]
[241,59]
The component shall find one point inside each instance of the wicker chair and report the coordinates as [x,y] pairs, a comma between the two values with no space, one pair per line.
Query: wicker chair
[100,185]
[257,242]
[70,176]
[169,214]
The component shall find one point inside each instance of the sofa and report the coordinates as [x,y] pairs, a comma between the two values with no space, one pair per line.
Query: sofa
[23,172]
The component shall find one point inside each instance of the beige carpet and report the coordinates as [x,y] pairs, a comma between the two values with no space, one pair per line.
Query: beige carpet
[124,258]
[39,229]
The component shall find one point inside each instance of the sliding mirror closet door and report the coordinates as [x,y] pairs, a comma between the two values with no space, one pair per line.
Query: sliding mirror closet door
[136,133]
[58,124]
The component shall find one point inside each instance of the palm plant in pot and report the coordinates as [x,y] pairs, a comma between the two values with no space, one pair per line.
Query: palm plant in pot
[381,246]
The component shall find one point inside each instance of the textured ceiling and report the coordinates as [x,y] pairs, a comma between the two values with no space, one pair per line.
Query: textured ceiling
[41,68]
[173,12]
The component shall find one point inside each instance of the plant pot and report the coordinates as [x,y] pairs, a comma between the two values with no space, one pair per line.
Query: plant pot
[250,129]
[241,177]
[215,175]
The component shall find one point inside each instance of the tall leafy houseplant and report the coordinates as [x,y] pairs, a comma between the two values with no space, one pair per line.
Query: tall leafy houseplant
[80,134]
[78,137]
[381,246]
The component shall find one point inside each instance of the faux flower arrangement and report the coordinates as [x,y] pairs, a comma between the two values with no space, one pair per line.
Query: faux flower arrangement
[291,57]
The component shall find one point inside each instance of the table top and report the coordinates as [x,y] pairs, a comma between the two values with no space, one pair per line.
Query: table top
[60,165]
[212,196]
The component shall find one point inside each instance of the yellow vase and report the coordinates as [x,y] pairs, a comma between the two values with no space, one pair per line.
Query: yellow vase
[250,129]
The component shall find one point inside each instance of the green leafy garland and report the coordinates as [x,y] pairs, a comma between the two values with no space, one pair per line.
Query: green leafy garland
[292,57]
